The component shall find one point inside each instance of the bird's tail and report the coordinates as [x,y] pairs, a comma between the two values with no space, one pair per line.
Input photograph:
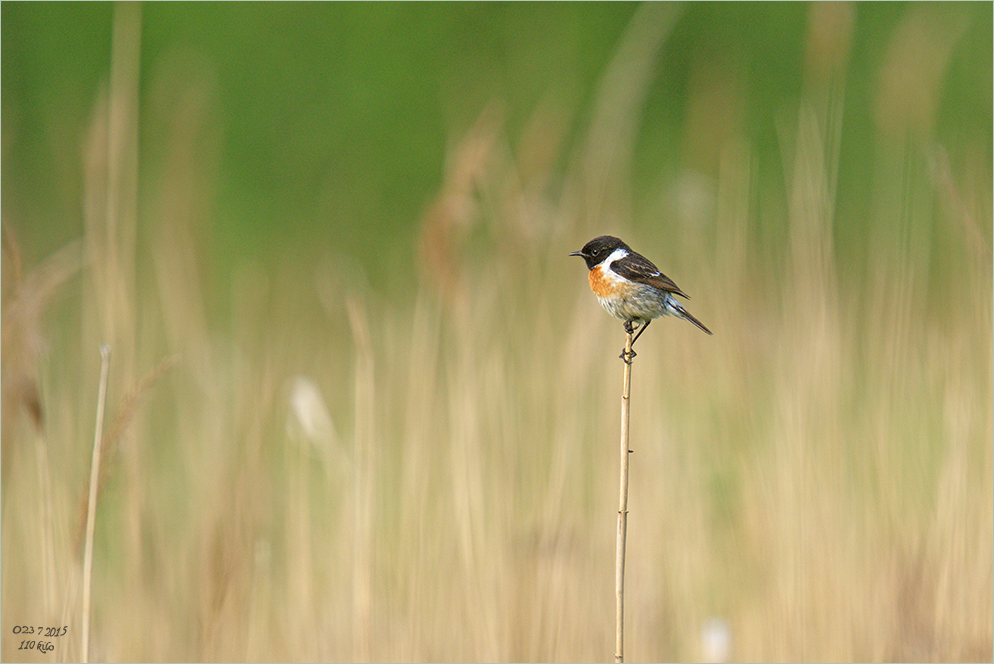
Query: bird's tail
[683,313]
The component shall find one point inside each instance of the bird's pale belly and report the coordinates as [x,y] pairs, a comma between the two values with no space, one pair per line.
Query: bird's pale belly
[641,303]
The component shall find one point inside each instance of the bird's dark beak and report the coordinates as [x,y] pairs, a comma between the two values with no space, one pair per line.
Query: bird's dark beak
[576,253]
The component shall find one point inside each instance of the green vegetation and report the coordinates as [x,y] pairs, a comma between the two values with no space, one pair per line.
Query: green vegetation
[363,407]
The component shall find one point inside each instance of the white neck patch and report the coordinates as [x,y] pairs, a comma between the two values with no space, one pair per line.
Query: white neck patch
[616,255]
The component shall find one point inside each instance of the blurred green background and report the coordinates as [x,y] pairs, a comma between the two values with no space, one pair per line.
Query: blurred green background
[332,119]
[360,394]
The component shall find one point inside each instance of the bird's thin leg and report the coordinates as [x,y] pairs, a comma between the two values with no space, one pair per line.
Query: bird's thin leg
[641,330]
[627,356]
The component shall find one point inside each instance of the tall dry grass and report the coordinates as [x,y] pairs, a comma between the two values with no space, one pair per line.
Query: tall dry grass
[336,475]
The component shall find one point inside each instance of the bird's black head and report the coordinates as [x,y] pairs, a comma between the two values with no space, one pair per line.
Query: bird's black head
[600,248]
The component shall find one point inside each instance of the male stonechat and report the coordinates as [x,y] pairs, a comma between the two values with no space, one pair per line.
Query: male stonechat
[629,286]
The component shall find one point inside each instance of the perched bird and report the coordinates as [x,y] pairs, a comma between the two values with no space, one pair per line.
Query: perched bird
[629,286]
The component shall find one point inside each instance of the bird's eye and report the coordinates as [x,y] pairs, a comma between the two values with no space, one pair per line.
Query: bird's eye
[594,252]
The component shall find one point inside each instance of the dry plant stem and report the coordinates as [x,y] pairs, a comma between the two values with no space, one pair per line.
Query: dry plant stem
[627,359]
[91,509]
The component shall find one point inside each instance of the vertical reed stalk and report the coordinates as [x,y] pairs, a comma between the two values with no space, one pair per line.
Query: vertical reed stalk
[91,508]
[364,487]
[619,578]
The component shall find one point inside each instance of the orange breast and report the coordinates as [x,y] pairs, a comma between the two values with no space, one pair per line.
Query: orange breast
[600,283]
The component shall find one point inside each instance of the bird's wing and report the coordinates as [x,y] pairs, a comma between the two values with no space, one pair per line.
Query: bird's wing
[636,267]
